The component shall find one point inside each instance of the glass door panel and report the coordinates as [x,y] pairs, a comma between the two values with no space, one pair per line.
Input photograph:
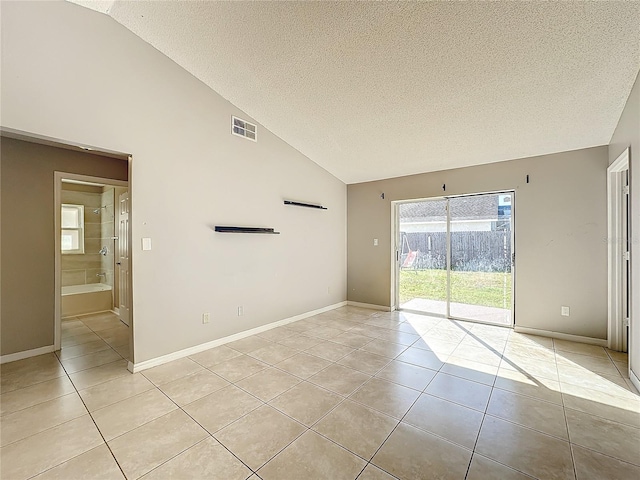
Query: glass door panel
[422,256]
[480,264]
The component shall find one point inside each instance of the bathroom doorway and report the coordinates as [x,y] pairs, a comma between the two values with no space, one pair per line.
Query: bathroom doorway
[93,286]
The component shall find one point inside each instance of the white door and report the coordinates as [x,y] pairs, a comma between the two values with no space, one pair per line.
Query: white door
[124,259]
[626,263]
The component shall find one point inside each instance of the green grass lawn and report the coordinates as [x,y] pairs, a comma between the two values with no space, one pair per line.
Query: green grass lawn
[473,288]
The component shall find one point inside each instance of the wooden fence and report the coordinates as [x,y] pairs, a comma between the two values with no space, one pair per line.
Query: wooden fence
[470,251]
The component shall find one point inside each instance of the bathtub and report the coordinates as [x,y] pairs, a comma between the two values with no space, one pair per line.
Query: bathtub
[90,298]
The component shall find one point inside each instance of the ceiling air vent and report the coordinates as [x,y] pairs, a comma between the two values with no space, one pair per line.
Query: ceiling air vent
[242,128]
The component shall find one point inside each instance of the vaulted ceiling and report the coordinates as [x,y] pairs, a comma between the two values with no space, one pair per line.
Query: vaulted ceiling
[372,90]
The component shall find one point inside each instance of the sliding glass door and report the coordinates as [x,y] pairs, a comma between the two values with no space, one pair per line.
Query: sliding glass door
[422,267]
[480,248]
[455,257]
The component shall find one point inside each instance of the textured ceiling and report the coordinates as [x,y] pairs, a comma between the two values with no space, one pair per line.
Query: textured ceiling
[377,90]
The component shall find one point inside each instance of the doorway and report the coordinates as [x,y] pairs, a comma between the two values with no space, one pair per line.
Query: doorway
[618,252]
[454,257]
[92,265]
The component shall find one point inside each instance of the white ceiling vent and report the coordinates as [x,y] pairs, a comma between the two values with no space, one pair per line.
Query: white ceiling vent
[242,128]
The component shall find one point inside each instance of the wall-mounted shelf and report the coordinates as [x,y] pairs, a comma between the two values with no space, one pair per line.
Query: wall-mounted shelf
[268,231]
[308,205]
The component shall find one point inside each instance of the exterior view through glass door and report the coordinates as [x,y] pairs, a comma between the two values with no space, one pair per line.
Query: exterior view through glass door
[455,257]
[423,256]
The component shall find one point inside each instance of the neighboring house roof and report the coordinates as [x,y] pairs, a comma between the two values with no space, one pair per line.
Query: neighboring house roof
[481,207]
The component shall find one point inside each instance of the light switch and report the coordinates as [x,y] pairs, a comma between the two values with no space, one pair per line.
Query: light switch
[375,242]
[146,244]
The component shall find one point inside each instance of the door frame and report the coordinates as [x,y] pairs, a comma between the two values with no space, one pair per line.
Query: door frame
[395,249]
[395,255]
[57,201]
[118,260]
[615,250]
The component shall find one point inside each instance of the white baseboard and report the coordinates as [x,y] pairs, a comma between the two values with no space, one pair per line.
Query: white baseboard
[635,381]
[12,357]
[562,336]
[369,305]
[154,362]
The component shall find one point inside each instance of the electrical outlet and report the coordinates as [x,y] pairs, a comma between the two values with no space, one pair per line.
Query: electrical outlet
[329,290]
[375,242]
[205,317]
[564,311]
[240,311]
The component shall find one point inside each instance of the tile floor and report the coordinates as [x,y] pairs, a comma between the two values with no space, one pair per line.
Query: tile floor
[347,394]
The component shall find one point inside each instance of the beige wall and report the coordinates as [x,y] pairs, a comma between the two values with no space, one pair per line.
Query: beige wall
[77,75]
[627,134]
[560,234]
[27,236]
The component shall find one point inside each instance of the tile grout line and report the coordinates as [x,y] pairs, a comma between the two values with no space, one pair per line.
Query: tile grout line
[199,424]
[393,430]
[97,366]
[483,414]
[302,380]
[371,377]
[307,428]
[493,387]
[322,435]
[343,398]
[424,392]
[94,422]
[382,413]
[439,371]
[527,427]
[475,444]
[93,353]
[60,376]
[637,465]
[359,348]
[473,451]
[566,422]
[310,428]
[263,404]
[637,427]
[33,385]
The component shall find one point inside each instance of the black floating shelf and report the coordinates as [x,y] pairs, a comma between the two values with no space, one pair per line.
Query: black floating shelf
[268,231]
[308,205]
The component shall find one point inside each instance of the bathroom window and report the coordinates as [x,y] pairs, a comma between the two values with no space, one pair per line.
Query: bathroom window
[72,228]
